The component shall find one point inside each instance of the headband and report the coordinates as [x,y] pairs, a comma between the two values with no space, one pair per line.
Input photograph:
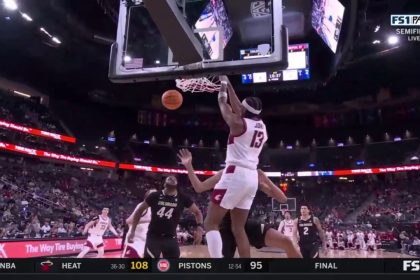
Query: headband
[250,109]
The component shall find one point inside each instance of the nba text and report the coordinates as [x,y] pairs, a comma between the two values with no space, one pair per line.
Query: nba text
[7,265]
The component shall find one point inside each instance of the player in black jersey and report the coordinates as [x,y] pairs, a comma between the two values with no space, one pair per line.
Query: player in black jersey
[259,235]
[310,233]
[166,208]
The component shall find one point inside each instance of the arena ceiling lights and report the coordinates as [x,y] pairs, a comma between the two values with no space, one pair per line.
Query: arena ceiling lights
[12,5]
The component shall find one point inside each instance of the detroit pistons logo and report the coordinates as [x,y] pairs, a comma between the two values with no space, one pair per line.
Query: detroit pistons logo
[163,265]
[260,9]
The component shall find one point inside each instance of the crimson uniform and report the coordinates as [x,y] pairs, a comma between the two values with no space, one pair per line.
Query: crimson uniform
[136,249]
[96,233]
[239,182]
[287,227]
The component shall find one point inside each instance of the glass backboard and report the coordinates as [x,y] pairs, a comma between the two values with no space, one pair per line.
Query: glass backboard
[169,39]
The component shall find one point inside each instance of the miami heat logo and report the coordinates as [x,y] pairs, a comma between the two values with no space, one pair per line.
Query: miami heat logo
[45,266]
[3,251]
[260,9]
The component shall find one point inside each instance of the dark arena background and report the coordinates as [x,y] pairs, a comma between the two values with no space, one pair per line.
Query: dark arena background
[115,122]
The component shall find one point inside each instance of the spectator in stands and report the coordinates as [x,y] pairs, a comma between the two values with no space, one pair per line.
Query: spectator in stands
[45,229]
[61,230]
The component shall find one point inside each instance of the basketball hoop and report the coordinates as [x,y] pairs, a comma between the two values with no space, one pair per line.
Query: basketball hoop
[203,84]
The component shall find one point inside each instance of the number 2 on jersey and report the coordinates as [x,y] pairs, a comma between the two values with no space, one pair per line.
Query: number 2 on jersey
[257,139]
[162,213]
[305,231]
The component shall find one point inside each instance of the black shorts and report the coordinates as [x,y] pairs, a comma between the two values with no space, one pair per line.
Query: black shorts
[167,246]
[309,250]
[254,230]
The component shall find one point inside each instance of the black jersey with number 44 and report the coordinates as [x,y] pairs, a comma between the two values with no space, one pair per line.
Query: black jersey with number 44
[308,232]
[166,212]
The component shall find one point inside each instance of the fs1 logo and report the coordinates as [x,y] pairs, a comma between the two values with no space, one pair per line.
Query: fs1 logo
[405,20]
[411,265]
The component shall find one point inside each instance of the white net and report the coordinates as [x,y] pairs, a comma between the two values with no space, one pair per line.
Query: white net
[203,84]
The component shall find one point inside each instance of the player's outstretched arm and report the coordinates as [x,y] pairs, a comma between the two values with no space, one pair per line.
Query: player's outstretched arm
[234,121]
[136,219]
[234,100]
[269,188]
[186,159]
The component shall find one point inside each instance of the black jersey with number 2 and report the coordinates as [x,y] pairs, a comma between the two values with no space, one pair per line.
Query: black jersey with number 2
[308,232]
[166,212]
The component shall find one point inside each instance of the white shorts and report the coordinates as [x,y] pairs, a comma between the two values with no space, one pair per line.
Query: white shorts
[94,242]
[236,188]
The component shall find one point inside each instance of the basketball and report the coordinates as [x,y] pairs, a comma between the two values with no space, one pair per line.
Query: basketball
[172,99]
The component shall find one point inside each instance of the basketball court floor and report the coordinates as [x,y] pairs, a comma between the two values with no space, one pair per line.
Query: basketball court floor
[201,252]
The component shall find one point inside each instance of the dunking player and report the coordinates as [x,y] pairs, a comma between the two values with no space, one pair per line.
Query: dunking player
[236,189]
[136,249]
[286,226]
[166,208]
[310,232]
[259,235]
[96,229]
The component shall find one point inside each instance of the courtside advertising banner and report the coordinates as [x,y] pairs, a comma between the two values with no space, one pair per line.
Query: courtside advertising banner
[43,248]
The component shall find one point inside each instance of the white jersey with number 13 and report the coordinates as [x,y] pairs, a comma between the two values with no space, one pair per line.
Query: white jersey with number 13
[244,150]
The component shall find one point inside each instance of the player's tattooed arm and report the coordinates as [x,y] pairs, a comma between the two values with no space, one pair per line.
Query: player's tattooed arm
[233,98]
[269,188]
[320,231]
[186,159]
[136,219]
[234,121]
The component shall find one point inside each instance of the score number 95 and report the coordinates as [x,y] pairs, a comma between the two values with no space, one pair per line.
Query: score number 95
[256,266]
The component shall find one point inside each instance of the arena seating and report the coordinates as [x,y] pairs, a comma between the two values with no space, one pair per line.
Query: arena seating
[28,113]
